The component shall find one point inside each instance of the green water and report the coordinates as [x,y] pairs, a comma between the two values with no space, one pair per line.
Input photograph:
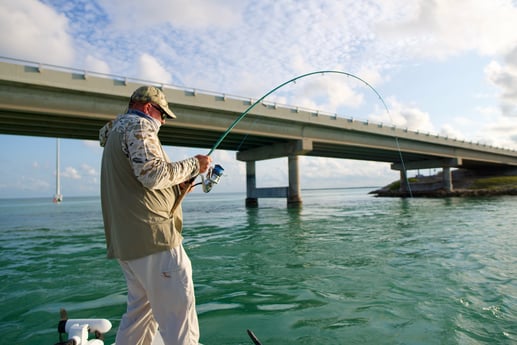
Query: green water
[346,268]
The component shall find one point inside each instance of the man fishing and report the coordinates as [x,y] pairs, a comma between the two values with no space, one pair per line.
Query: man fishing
[140,190]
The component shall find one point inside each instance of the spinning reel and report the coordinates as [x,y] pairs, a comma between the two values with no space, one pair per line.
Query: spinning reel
[213,175]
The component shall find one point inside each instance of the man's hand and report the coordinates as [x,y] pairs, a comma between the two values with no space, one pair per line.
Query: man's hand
[204,163]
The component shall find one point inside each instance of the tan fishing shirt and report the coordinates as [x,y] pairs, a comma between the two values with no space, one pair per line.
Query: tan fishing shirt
[139,185]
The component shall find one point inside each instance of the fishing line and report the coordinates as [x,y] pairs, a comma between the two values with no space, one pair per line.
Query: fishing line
[322,72]
[293,80]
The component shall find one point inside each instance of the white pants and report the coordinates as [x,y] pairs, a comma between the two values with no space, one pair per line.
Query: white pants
[160,296]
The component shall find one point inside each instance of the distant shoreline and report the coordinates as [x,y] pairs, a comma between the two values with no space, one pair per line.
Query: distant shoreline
[465,184]
[441,193]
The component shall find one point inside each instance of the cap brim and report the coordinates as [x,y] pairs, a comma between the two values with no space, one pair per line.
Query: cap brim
[169,112]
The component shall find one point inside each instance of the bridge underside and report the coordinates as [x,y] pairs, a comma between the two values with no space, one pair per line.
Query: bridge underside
[35,123]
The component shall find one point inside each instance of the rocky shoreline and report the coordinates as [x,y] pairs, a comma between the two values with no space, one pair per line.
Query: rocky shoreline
[465,183]
[442,193]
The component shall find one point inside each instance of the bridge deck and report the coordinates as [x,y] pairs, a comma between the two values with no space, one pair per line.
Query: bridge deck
[50,102]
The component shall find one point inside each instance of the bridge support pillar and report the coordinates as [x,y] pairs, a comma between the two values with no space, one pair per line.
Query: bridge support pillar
[292,192]
[403,181]
[251,185]
[447,179]
[294,198]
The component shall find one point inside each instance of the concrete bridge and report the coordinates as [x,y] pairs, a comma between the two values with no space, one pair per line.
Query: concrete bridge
[50,101]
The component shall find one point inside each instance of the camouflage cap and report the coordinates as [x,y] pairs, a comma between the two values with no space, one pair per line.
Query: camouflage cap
[151,94]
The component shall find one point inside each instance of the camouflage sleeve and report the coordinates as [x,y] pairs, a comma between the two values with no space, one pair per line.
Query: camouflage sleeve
[104,132]
[149,162]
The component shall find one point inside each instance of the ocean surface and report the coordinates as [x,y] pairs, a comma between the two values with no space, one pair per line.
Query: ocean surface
[345,268]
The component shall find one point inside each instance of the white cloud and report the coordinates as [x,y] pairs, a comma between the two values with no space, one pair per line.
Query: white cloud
[450,131]
[150,69]
[88,170]
[97,65]
[504,76]
[326,92]
[323,172]
[499,131]
[403,116]
[272,173]
[189,14]
[34,31]
[71,173]
[442,28]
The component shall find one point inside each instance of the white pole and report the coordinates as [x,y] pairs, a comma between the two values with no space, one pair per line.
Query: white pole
[58,197]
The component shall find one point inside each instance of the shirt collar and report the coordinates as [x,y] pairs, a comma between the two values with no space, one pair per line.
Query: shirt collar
[145,116]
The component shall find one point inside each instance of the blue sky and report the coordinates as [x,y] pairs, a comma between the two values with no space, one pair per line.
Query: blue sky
[446,67]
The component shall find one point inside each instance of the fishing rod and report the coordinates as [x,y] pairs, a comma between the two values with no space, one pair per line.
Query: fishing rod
[214,174]
[323,72]
[253,337]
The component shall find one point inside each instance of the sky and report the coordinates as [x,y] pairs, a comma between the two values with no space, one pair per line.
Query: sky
[444,67]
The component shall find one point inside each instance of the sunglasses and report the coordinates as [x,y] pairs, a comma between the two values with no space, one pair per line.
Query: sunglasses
[163,113]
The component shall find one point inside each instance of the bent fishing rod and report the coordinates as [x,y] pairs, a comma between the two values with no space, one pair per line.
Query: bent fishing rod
[214,174]
[323,72]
